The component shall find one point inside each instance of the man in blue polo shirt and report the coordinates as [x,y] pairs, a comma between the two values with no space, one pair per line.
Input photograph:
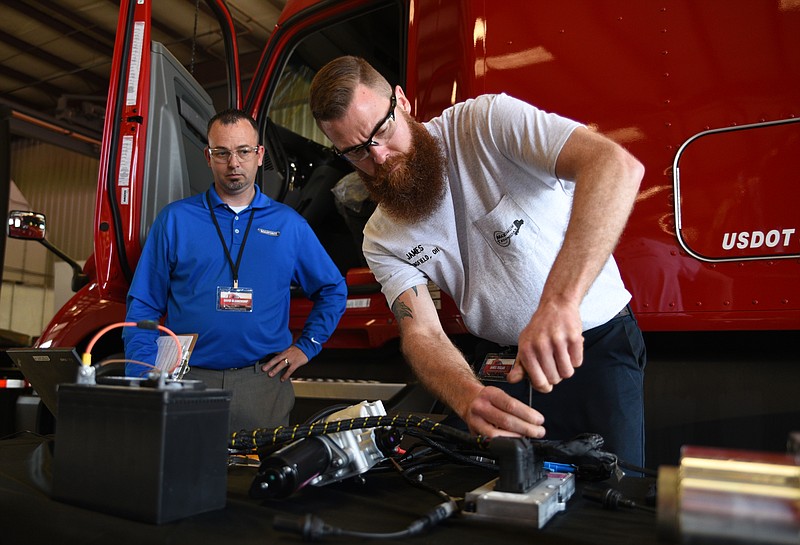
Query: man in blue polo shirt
[220,264]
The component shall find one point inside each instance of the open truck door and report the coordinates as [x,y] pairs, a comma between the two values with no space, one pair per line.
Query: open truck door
[301,169]
[151,154]
[153,140]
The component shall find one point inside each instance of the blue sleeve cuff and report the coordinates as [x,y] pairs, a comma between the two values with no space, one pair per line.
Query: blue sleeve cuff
[310,348]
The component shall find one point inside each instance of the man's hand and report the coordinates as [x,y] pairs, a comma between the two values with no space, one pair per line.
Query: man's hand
[288,361]
[550,347]
[442,368]
[494,413]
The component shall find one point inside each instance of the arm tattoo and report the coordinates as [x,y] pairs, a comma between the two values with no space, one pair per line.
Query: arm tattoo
[402,310]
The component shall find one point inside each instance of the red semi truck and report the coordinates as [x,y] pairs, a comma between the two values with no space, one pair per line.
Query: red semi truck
[705,94]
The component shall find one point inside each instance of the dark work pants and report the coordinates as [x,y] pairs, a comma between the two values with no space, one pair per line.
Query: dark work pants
[604,396]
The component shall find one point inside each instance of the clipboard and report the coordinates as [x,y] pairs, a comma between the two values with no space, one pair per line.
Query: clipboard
[167,356]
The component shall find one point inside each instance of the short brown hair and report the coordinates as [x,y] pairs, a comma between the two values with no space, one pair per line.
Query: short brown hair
[333,87]
[231,116]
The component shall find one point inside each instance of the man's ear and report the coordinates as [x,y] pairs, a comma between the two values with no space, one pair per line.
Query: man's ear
[402,100]
[207,156]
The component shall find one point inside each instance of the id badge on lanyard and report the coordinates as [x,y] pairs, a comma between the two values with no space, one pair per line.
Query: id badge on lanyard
[235,299]
[232,299]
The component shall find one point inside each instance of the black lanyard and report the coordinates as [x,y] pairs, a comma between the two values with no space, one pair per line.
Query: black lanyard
[234,267]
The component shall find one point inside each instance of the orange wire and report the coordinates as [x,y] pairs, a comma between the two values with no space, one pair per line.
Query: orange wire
[87,356]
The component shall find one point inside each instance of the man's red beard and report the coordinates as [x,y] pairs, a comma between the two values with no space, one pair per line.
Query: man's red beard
[410,187]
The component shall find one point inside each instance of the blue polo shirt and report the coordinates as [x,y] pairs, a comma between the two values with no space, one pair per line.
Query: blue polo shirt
[183,263]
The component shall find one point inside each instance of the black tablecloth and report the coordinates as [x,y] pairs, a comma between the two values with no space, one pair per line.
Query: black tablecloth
[383,502]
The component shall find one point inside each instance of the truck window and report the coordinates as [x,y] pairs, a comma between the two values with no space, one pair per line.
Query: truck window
[301,170]
[376,35]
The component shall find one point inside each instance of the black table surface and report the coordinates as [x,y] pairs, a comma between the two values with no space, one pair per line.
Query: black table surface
[381,502]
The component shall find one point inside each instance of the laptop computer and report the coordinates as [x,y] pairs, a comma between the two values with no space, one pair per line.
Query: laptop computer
[45,369]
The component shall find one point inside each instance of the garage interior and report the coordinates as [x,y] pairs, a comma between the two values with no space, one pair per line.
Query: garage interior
[53,80]
[55,56]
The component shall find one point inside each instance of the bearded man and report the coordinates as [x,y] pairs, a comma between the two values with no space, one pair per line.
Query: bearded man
[514,212]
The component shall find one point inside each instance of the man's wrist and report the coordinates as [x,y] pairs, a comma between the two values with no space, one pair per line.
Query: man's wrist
[309,347]
[467,393]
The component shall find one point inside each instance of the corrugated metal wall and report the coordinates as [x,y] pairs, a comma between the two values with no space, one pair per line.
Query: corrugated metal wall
[61,184]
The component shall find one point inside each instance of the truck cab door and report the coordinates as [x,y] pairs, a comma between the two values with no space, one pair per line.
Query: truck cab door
[153,139]
[300,168]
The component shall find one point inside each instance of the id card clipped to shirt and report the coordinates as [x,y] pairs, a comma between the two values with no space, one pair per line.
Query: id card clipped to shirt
[235,299]
[495,366]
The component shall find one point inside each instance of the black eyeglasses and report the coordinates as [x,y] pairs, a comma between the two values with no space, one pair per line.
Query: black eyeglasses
[243,154]
[383,132]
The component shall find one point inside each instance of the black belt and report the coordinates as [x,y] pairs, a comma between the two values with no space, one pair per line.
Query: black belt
[484,347]
[262,361]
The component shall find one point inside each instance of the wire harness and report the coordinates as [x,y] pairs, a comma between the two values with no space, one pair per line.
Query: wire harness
[511,458]
[262,437]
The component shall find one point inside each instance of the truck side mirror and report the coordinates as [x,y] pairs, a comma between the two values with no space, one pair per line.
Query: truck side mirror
[26,225]
[32,226]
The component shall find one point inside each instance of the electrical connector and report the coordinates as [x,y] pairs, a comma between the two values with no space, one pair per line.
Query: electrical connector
[608,497]
[311,527]
[519,469]
[523,493]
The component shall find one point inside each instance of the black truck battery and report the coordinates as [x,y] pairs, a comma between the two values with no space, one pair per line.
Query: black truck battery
[154,454]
